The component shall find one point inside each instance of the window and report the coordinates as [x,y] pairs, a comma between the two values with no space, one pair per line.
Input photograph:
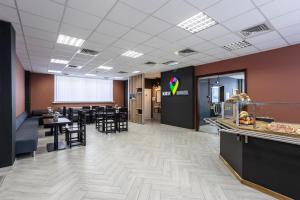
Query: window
[75,89]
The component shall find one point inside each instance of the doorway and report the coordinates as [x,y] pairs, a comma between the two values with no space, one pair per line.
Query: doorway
[152,97]
[214,89]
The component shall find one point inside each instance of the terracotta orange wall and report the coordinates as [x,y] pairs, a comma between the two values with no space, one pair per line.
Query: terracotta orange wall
[20,88]
[42,93]
[272,76]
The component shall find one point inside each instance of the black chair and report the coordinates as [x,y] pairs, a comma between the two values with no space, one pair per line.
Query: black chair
[110,120]
[122,120]
[70,114]
[94,107]
[86,107]
[99,119]
[64,111]
[76,134]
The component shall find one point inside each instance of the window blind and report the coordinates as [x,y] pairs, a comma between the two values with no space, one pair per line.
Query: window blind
[76,89]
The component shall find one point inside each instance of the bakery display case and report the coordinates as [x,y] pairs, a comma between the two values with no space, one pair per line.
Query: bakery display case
[260,144]
[277,118]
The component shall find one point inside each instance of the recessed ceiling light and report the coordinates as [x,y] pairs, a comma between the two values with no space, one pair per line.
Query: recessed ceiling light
[132,54]
[58,61]
[135,72]
[54,71]
[90,74]
[117,77]
[197,23]
[68,40]
[105,67]
[237,45]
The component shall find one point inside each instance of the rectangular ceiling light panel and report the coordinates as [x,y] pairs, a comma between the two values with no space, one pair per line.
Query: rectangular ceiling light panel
[105,67]
[92,75]
[58,61]
[237,45]
[54,71]
[68,40]
[132,54]
[197,23]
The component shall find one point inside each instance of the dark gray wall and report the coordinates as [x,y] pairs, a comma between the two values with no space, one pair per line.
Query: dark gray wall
[178,110]
[7,94]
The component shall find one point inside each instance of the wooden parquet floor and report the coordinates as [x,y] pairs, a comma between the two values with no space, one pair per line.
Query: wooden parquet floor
[150,162]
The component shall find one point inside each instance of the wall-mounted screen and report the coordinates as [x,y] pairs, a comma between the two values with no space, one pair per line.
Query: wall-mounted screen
[77,89]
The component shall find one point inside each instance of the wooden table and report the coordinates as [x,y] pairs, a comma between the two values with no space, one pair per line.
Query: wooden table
[46,116]
[56,145]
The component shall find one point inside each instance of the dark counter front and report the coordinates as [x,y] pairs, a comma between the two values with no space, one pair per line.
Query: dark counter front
[270,166]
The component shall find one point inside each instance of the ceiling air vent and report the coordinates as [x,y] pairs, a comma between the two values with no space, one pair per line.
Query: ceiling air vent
[150,63]
[186,52]
[237,45]
[171,62]
[88,52]
[255,30]
[122,72]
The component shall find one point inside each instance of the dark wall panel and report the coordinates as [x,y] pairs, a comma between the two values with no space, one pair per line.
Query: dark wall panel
[7,94]
[178,110]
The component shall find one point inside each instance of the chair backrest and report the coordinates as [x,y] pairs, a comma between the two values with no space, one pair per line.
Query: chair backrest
[108,106]
[64,112]
[110,113]
[86,107]
[82,119]
[123,113]
[70,114]
[95,107]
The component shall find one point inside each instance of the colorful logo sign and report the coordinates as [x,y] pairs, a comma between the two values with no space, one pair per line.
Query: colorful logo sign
[174,84]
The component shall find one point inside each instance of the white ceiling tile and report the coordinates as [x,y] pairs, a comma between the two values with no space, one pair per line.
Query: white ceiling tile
[124,44]
[39,42]
[225,55]
[101,39]
[73,31]
[293,39]
[8,3]
[145,5]
[136,36]
[153,26]
[39,22]
[62,2]
[227,9]
[246,51]
[202,47]
[261,2]
[214,51]
[95,7]
[190,41]
[174,34]
[272,44]
[176,11]
[279,7]
[290,30]
[80,19]
[144,49]
[44,8]
[156,42]
[286,20]
[213,32]
[113,29]
[39,34]
[246,20]
[9,14]
[201,5]
[126,15]
[264,38]
[227,39]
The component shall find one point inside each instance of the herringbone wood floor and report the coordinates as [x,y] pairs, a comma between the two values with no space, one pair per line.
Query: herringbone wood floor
[150,161]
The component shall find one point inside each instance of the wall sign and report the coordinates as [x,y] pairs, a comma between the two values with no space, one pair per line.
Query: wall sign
[174,85]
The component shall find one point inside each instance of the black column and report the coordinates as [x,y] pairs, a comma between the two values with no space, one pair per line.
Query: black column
[7,94]
[27,91]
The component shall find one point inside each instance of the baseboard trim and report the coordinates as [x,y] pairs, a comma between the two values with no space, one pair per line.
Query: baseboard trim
[254,185]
